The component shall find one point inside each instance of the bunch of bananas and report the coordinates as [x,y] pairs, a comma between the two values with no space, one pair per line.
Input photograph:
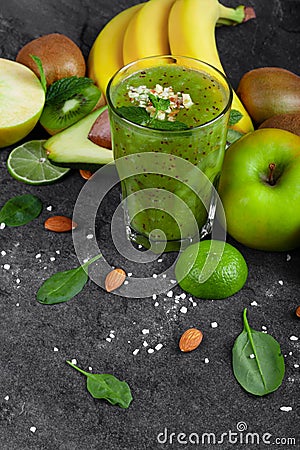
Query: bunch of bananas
[162,27]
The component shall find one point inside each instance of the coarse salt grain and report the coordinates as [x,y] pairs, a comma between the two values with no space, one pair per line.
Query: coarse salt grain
[145,331]
[154,275]
[288,257]
[38,255]
[135,352]
[2,226]
[154,296]
[33,429]
[52,258]
[150,350]
[296,366]
[90,236]
[112,335]
[145,344]
[6,398]
[183,296]
[183,309]
[263,327]
[214,324]
[17,304]
[159,260]
[108,339]
[286,408]
[18,281]
[280,282]
[252,356]
[206,360]
[158,347]
[164,275]
[170,294]
[90,368]
[294,338]
[156,304]
[55,349]
[3,253]
[49,208]
[74,361]
[57,252]
[254,303]
[173,281]
[6,266]
[126,282]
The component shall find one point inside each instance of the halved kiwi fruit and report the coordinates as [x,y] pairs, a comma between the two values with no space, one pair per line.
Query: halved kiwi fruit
[65,106]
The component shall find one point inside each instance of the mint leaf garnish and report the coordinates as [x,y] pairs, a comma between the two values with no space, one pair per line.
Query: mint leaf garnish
[167,125]
[65,88]
[135,114]
[39,64]
[160,104]
[235,117]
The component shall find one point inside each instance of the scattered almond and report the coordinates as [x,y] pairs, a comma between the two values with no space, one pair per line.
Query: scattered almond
[114,279]
[86,174]
[59,224]
[298,311]
[190,340]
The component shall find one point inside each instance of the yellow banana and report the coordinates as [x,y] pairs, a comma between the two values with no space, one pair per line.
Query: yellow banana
[192,33]
[147,31]
[106,55]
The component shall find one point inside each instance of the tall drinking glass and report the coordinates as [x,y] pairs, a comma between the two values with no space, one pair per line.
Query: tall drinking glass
[169,118]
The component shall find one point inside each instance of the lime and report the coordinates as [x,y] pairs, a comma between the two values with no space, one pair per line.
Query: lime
[29,163]
[211,270]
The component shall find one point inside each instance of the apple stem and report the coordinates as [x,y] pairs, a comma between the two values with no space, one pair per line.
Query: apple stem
[271,180]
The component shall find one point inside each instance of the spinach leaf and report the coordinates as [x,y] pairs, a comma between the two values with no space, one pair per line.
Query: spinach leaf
[63,286]
[20,210]
[258,364]
[108,387]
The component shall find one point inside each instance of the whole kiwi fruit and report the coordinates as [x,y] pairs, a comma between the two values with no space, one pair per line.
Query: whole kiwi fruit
[288,122]
[269,91]
[60,57]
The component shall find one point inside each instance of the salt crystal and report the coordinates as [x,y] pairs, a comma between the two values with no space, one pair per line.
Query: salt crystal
[158,347]
[6,398]
[145,344]
[206,360]
[164,275]
[252,356]
[170,294]
[214,324]
[90,368]
[254,303]
[145,331]
[129,274]
[280,282]
[55,349]
[126,282]
[288,257]
[173,281]
[49,208]
[154,296]
[17,304]
[18,281]
[156,304]
[52,258]
[38,255]
[154,275]
[112,335]
[296,366]
[2,226]
[183,296]
[6,266]
[183,309]
[140,246]
[33,429]
[286,408]
[108,339]
[290,353]
[263,327]
[3,253]
[135,352]
[293,338]
[90,236]
[85,260]
[150,350]
[159,260]
[57,252]
[74,361]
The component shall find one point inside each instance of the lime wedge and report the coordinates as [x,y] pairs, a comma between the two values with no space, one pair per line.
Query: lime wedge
[29,163]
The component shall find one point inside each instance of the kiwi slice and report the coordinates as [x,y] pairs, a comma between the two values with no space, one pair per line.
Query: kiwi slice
[67,101]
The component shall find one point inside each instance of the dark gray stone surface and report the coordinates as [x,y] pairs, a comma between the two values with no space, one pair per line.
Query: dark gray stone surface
[171,390]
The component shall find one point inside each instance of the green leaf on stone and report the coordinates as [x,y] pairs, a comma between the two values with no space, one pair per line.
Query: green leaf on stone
[63,286]
[107,387]
[258,363]
[20,210]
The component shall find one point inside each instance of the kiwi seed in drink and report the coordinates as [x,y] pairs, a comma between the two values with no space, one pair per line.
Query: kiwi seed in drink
[67,102]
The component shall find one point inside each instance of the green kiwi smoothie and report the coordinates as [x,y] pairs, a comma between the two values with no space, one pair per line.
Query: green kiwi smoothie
[159,114]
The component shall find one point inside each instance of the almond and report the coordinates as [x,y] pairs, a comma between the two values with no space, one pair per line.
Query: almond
[190,340]
[86,174]
[59,224]
[298,312]
[114,279]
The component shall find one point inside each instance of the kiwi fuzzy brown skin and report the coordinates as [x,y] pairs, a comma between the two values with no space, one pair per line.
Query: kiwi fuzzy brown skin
[60,57]
[269,91]
[288,122]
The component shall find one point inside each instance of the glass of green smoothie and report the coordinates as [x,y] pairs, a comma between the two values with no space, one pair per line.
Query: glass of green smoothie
[169,118]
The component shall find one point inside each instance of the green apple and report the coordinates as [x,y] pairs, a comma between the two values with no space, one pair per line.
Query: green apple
[22,100]
[260,190]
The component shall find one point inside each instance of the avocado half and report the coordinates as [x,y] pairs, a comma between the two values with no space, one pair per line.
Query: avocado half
[72,148]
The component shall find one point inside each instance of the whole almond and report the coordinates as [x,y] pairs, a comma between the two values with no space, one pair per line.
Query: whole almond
[298,311]
[190,340]
[59,224]
[114,279]
[86,174]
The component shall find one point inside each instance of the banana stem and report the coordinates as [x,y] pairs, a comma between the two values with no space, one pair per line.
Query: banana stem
[233,16]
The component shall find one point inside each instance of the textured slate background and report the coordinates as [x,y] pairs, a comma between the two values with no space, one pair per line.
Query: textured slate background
[170,389]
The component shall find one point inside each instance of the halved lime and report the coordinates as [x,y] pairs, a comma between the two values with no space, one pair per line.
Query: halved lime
[29,163]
